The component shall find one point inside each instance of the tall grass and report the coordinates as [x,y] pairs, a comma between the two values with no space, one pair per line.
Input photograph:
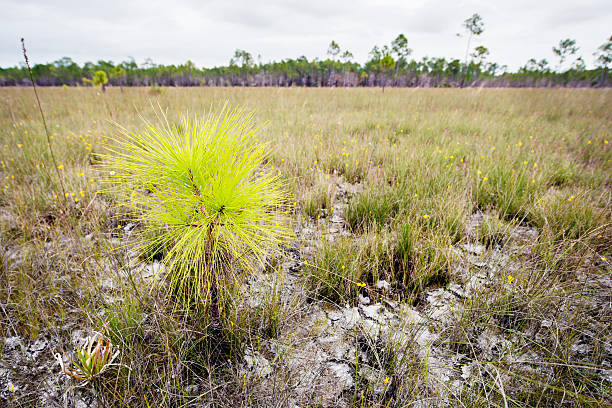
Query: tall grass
[405,171]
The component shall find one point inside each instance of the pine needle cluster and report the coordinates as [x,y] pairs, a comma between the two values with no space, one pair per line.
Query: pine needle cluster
[202,190]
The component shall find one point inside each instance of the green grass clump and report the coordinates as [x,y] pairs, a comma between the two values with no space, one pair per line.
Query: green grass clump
[510,189]
[421,255]
[317,201]
[376,206]
[346,267]
[495,232]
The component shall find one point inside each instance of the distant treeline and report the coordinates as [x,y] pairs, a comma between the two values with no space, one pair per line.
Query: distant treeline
[387,66]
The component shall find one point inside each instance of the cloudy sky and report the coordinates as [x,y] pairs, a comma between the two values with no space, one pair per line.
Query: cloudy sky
[208,31]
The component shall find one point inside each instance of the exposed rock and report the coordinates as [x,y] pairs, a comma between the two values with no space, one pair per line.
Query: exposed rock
[363,300]
[344,373]
[36,348]
[476,249]
[351,317]
[492,345]
[12,344]
[334,315]
[372,311]
[371,328]
[383,285]
[257,363]
[336,219]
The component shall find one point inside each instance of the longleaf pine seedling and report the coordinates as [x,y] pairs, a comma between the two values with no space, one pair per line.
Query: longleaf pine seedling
[202,190]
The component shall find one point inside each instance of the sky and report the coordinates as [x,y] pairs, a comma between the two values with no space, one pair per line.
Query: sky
[208,32]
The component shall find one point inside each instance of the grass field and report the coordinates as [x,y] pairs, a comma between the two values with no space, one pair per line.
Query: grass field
[420,189]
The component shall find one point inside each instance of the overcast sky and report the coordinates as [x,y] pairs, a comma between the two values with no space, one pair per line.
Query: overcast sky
[208,31]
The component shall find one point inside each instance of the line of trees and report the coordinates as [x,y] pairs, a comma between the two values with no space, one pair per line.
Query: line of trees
[388,65]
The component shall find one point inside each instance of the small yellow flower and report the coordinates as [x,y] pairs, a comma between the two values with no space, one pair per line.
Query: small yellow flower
[535,165]
[426,216]
[61,166]
[343,267]
[485,178]
[361,284]
[603,258]
[510,279]
[386,380]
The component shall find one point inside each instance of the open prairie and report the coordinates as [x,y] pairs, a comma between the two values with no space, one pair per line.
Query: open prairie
[449,247]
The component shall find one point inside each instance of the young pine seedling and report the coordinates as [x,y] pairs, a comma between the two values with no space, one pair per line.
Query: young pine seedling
[202,190]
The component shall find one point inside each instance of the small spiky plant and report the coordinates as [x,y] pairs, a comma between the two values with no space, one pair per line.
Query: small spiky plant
[91,361]
[202,190]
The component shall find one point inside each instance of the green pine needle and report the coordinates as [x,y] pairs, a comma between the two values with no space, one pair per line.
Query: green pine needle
[202,189]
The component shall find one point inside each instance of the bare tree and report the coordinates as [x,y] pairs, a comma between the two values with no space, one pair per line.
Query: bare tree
[604,57]
[474,26]
[332,51]
[346,57]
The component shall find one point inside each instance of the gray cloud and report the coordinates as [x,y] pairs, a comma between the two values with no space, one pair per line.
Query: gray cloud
[208,32]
